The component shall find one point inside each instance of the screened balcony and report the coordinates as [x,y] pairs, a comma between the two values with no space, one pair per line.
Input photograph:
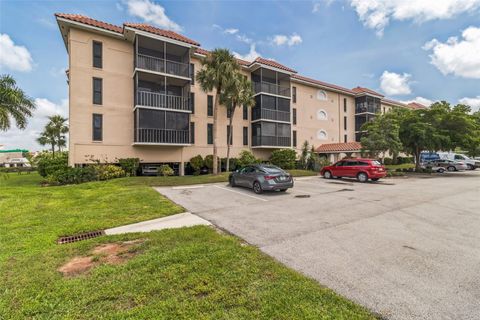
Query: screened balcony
[271,82]
[162,92]
[271,108]
[271,134]
[367,104]
[162,57]
[361,119]
[161,127]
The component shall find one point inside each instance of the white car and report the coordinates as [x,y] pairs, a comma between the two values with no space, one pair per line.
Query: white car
[471,164]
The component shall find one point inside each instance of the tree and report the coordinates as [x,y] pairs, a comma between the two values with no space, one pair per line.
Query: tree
[13,103]
[54,133]
[218,68]
[382,135]
[238,92]
[304,155]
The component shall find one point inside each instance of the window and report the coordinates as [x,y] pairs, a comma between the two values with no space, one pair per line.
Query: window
[97,54]
[192,73]
[344,104]
[345,138]
[245,136]
[322,115]
[210,133]
[97,127]
[97,90]
[245,112]
[294,94]
[321,95]
[294,132]
[192,102]
[321,135]
[229,134]
[192,132]
[294,116]
[210,106]
[345,123]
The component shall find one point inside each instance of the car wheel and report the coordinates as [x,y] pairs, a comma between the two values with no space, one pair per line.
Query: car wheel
[441,170]
[375,179]
[362,177]
[283,190]
[327,175]
[470,167]
[232,182]
[257,188]
[451,168]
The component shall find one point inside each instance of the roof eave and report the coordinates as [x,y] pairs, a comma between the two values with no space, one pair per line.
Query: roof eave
[158,37]
[317,85]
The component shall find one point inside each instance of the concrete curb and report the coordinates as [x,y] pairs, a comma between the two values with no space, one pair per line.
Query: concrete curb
[180,220]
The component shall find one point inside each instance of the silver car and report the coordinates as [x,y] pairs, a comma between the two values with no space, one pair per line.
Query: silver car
[450,165]
[261,178]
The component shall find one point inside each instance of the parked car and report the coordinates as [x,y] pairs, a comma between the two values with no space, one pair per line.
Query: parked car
[362,169]
[471,164]
[451,165]
[434,166]
[261,178]
[149,170]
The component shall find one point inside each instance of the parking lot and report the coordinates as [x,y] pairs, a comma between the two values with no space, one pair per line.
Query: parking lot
[407,248]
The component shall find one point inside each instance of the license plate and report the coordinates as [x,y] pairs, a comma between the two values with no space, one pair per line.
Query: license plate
[282,178]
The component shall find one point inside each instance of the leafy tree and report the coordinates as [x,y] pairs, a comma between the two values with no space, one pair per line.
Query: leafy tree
[304,156]
[54,133]
[246,158]
[13,103]
[238,92]
[382,135]
[284,158]
[218,68]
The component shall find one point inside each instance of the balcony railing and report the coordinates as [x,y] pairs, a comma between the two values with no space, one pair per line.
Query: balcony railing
[258,141]
[261,113]
[160,100]
[272,88]
[161,65]
[164,136]
[367,108]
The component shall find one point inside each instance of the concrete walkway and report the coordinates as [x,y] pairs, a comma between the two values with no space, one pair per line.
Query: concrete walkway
[180,220]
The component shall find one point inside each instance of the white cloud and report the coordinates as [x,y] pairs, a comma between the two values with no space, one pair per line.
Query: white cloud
[234,32]
[395,84]
[14,57]
[16,138]
[250,56]
[472,102]
[458,57]
[421,100]
[376,14]
[318,5]
[151,12]
[291,40]
[231,31]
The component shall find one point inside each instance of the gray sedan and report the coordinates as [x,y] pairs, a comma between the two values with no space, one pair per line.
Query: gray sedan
[261,178]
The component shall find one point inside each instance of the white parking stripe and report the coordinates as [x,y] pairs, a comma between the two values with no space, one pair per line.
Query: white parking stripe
[188,187]
[243,194]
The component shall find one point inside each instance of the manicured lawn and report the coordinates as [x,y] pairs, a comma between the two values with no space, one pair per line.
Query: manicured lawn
[190,273]
[400,166]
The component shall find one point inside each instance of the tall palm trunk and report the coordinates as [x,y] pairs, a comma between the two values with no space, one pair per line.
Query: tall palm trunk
[229,138]
[215,121]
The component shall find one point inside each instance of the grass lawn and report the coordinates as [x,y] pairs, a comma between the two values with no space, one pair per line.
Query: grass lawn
[189,273]
[400,166]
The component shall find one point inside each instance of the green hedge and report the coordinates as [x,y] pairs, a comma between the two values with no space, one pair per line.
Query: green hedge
[47,163]
[284,158]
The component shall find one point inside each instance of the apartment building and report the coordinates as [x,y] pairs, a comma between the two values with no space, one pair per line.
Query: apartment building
[133,93]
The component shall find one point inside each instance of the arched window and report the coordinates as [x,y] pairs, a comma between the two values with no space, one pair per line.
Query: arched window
[322,115]
[321,134]
[321,95]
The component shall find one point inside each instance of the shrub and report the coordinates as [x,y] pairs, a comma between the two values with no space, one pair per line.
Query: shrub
[322,162]
[48,164]
[129,165]
[208,162]
[107,171]
[197,164]
[284,158]
[387,161]
[246,158]
[69,175]
[165,170]
[232,162]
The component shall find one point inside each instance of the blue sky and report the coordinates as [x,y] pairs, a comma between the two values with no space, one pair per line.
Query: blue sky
[408,50]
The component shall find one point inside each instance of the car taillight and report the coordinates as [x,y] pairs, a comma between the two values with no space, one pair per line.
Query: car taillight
[269,177]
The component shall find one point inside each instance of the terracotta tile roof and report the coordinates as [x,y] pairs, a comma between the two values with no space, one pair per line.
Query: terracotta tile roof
[366,90]
[205,52]
[161,32]
[416,105]
[89,21]
[272,63]
[339,147]
[321,83]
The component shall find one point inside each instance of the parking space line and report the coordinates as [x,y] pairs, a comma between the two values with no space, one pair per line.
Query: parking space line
[243,194]
[188,187]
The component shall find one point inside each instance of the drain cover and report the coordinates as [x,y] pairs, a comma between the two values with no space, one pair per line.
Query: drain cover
[80,237]
[302,196]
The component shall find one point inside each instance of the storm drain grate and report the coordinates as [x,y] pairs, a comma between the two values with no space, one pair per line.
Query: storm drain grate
[80,237]
[302,196]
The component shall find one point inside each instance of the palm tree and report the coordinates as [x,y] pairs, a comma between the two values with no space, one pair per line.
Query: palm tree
[218,68]
[54,133]
[239,92]
[13,103]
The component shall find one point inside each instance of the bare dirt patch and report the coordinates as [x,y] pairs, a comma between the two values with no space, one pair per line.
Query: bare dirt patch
[108,253]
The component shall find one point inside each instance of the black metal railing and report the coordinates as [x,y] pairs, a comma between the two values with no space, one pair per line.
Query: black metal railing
[161,65]
[271,141]
[272,88]
[160,100]
[261,113]
[165,136]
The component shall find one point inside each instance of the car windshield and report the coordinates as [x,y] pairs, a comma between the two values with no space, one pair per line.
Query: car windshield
[271,169]
[376,163]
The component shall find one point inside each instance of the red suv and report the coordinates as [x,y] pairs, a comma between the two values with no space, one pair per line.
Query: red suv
[362,169]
